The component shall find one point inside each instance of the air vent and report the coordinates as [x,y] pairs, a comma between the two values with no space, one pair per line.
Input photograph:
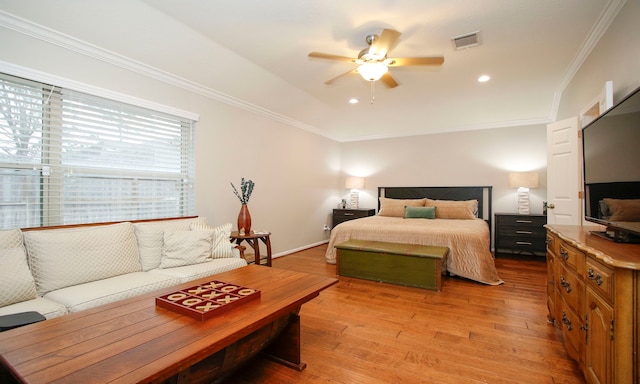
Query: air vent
[466,41]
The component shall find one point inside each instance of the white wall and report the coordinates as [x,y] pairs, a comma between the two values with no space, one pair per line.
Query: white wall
[616,57]
[474,158]
[296,172]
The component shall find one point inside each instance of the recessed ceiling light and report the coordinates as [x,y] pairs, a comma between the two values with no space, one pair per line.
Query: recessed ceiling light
[353,101]
[484,78]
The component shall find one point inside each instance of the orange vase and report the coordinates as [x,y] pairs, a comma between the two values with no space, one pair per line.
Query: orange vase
[244,220]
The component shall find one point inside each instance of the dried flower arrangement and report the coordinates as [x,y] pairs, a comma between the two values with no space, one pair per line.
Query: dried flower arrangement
[246,188]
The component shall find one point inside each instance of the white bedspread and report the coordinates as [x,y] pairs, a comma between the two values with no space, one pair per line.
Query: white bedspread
[468,241]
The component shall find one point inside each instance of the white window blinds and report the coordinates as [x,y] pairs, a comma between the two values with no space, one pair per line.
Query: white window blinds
[67,157]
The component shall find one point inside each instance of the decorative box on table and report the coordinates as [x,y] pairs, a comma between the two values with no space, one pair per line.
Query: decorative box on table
[203,301]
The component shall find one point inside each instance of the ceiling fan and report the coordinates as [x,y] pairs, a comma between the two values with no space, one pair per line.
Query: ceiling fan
[373,63]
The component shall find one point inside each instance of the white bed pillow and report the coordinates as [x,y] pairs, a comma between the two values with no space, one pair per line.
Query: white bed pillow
[16,282]
[395,207]
[185,248]
[221,246]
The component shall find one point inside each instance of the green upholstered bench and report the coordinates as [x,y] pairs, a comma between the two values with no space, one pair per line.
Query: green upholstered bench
[406,264]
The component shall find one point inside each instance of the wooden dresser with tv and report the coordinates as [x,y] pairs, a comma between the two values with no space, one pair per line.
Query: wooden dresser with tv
[593,296]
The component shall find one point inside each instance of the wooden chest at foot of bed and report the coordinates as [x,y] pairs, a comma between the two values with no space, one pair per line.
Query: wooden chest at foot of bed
[405,264]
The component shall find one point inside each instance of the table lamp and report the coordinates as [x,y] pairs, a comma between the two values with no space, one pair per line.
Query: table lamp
[523,181]
[354,184]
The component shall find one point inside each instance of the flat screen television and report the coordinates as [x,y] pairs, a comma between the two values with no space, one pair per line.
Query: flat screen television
[611,159]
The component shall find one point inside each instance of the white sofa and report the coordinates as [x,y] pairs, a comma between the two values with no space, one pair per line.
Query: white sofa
[63,270]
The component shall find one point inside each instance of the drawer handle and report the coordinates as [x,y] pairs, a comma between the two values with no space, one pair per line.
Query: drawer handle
[524,221]
[524,232]
[566,321]
[596,277]
[585,327]
[564,253]
[349,214]
[523,243]
[564,283]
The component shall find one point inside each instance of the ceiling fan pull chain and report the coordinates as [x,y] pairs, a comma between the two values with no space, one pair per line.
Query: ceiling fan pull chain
[373,91]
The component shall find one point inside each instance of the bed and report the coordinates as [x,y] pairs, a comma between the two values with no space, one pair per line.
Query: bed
[462,224]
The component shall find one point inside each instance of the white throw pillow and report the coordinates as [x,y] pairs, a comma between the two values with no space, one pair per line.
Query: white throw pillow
[222,246]
[63,257]
[16,282]
[185,248]
[149,235]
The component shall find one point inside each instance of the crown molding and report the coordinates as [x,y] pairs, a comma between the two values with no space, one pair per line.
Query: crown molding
[40,32]
[51,36]
[597,31]
[47,78]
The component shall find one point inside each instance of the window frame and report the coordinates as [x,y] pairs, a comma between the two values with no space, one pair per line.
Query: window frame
[51,159]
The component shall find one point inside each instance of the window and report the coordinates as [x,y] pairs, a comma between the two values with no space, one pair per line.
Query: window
[67,157]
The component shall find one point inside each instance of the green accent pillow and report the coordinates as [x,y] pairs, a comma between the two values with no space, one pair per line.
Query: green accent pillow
[420,212]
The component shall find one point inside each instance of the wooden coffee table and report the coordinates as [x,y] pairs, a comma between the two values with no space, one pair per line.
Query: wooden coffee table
[132,340]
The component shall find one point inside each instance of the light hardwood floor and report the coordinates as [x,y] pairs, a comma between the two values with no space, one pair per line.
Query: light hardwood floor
[359,331]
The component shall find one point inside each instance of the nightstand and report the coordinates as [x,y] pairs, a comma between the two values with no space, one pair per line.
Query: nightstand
[521,233]
[342,215]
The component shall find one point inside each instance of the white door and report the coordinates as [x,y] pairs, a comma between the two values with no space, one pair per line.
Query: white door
[564,173]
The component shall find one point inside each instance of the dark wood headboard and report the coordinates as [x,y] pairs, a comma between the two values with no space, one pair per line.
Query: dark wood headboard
[482,194]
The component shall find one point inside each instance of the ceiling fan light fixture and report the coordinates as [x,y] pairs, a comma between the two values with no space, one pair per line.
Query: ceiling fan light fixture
[372,71]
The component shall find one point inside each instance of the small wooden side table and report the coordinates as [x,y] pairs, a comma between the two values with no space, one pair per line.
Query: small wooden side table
[254,241]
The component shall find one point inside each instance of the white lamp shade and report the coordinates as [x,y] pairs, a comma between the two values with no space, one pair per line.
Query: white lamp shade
[353,182]
[523,180]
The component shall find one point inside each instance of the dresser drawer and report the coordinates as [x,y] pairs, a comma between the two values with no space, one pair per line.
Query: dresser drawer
[342,215]
[523,232]
[522,243]
[600,277]
[571,288]
[522,221]
[552,243]
[571,257]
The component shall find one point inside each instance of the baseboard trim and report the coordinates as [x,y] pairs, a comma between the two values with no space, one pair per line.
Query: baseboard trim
[288,252]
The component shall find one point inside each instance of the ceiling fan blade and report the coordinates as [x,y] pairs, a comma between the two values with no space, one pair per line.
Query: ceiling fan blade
[328,56]
[409,61]
[332,81]
[385,42]
[388,80]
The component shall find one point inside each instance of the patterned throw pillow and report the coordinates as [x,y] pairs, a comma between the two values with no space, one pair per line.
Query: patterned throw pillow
[16,282]
[150,235]
[222,246]
[60,258]
[185,248]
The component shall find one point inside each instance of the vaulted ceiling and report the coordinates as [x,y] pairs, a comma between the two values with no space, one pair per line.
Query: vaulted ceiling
[254,52]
